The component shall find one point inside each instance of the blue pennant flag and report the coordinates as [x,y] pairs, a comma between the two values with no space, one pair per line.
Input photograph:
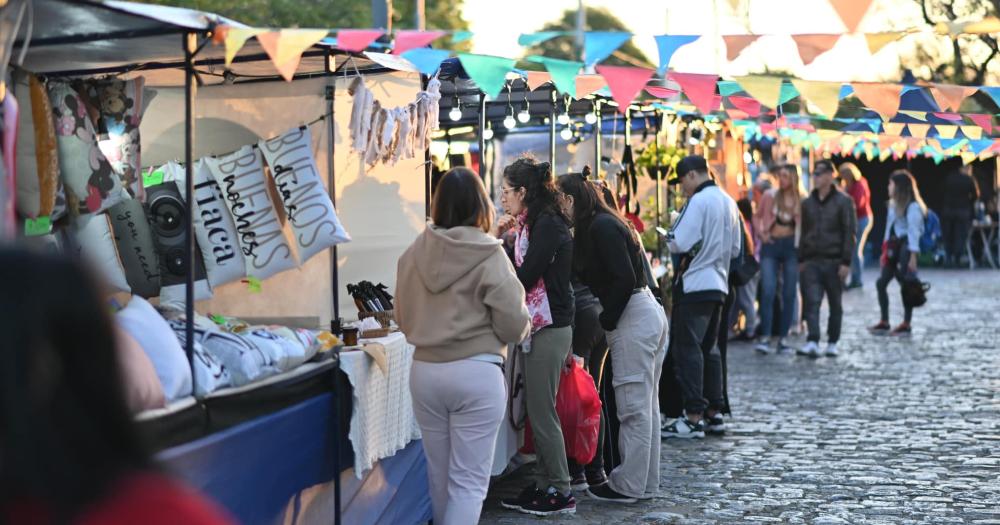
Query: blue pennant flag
[426,60]
[598,45]
[993,92]
[668,44]
[845,91]
[979,146]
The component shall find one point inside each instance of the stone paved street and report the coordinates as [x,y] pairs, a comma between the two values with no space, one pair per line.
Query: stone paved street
[893,431]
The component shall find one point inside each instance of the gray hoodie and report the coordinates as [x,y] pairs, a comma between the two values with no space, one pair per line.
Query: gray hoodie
[457,296]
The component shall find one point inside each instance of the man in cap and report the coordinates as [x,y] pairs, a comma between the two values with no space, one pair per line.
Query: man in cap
[707,236]
[826,249]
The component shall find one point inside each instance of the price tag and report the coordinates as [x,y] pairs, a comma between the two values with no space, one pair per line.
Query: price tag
[253,284]
[39,226]
[152,178]
[218,319]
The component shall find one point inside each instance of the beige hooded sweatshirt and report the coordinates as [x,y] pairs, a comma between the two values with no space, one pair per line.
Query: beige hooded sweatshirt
[457,296]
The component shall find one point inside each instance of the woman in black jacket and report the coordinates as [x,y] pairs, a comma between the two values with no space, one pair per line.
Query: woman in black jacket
[609,260]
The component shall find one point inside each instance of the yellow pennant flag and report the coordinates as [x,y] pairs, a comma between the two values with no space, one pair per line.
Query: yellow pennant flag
[968,157]
[884,154]
[973,132]
[876,41]
[918,130]
[946,131]
[919,115]
[829,134]
[236,38]
[285,47]
[767,90]
[824,95]
[893,128]
[990,24]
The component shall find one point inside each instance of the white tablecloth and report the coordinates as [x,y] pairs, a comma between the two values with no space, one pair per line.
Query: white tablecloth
[382,421]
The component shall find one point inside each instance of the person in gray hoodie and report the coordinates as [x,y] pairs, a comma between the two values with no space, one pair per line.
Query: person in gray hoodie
[459,302]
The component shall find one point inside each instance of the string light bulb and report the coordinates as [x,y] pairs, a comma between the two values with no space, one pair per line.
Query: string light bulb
[566,134]
[509,122]
[455,114]
[524,115]
[488,132]
[590,118]
[563,119]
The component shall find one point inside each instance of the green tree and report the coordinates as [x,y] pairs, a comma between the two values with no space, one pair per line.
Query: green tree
[597,19]
[971,56]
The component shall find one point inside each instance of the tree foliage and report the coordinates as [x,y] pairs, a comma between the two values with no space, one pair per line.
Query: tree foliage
[971,56]
[597,19]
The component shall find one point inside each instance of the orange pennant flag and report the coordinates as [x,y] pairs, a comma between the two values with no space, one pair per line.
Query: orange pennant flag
[949,96]
[587,84]
[882,98]
[537,78]
[946,131]
[812,46]
[735,44]
[851,12]
[893,128]
[918,130]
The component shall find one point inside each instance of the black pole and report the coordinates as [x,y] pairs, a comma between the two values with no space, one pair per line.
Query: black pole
[428,168]
[656,148]
[597,140]
[482,140]
[552,133]
[188,42]
[334,276]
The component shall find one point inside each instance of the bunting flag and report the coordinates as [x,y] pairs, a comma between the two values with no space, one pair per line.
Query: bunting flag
[748,105]
[882,98]
[408,39]
[537,78]
[824,95]
[950,97]
[735,4]
[563,72]
[876,41]
[395,62]
[460,36]
[918,130]
[285,47]
[533,39]
[426,60]
[625,83]
[788,92]
[993,92]
[980,145]
[767,90]
[357,40]
[728,87]
[588,84]
[983,121]
[662,93]
[735,44]
[919,115]
[893,128]
[851,12]
[699,89]
[812,46]
[968,157]
[235,38]
[488,72]
[954,117]
[972,132]
[598,45]
[667,45]
[946,131]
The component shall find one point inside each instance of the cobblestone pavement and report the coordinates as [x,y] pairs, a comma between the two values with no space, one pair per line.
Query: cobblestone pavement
[901,431]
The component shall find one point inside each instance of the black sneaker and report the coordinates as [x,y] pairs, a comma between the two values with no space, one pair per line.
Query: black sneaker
[596,479]
[683,428]
[606,493]
[579,482]
[882,328]
[714,424]
[529,493]
[549,503]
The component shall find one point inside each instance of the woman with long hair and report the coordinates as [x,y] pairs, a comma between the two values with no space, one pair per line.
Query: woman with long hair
[460,304]
[69,451]
[857,187]
[777,222]
[900,247]
[609,260]
[543,258]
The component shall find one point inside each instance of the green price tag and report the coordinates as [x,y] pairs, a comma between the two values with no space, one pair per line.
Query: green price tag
[152,179]
[39,226]
[218,319]
[253,284]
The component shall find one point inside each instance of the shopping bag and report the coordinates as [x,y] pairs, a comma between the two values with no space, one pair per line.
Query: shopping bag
[578,406]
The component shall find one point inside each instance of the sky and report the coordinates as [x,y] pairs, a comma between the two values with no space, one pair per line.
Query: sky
[497,24]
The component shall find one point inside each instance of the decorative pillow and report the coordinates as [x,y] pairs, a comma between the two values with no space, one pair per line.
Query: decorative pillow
[245,361]
[210,374]
[94,242]
[143,390]
[285,353]
[37,161]
[158,340]
[306,201]
[240,175]
[121,106]
[135,247]
[84,169]
[306,344]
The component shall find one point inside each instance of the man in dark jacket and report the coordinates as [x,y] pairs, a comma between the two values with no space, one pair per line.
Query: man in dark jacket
[960,195]
[826,247]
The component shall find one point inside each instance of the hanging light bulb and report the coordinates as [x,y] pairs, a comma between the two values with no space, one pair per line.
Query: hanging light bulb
[524,115]
[488,132]
[456,110]
[566,134]
[747,157]
[590,118]
[509,122]
[563,119]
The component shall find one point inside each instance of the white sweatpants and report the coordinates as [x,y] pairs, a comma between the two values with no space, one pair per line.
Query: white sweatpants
[459,406]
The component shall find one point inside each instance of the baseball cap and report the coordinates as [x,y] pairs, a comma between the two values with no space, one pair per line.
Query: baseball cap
[688,164]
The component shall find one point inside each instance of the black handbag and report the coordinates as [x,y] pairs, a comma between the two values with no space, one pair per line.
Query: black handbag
[914,291]
[743,267]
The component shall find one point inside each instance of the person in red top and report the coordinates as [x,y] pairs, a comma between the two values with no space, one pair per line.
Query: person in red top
[69,452]
[857,187]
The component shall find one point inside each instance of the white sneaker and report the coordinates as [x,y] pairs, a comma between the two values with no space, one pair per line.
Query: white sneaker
[831,350]
[783,347]
[763,346]
[811,349]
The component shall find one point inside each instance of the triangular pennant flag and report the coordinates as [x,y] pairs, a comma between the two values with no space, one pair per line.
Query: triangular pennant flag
[883,98]
[950,97]
[972,132]
[729,87]
[667,45]
[746,104]
[699,89]
[946,131]
[884,154]
[408,39]
[893,128]
[851,12]
[737,114]
[954,117]
[488,72]
[598,45]
[919,115]
[788,92]
[918,130]
[735,44]
[563,72]
[662,92]
[625,83]
[765,89]
[426,60]
[357,40]
[587,84]
[735,4]
[395,62]
[285,47]
[235,38]
[993,92]
[887,141]
[460,36]
[812,46]
[980,145]
[983,121]
[533,39]
[876,41]
[824,95]
[968,157]
[537,78]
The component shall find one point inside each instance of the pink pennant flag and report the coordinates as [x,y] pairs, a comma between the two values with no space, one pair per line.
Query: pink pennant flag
[950,96]
[408,39]
[746,104]
[587,84]
[662,92]
[954,117]
[851,12]
[357,40]
[983,121]
[699,89]
[883,98]
[537,78]
[737,114]
[735,44]
[768,128]
[625,83]
[812,46]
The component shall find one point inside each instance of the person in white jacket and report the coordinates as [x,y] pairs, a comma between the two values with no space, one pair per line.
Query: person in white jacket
[706,235]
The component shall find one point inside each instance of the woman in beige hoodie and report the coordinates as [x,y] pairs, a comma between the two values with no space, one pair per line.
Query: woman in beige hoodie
[460,304]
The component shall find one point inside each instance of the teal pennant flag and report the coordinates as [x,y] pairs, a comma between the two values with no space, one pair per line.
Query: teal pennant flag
[488,72]
[533,39]
[729,87]
[563,72]
[426,60]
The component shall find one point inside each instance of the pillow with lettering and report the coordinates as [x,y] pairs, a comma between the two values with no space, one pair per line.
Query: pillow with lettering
[240,176]
[93,241]
[245,361]
[306,201]
[210,374]
[134,239]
